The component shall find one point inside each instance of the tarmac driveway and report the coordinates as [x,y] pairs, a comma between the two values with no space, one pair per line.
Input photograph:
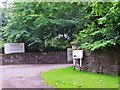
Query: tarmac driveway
[26,76]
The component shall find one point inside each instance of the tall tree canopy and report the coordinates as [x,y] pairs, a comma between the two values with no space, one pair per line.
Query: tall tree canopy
[42,25]
[38,24]
[103,26]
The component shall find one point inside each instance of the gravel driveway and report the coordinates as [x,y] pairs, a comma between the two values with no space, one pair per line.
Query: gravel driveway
[26,76]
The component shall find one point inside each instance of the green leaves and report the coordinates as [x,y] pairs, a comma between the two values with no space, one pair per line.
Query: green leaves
[102,29]
[39,25]
[102,20]
[35,23]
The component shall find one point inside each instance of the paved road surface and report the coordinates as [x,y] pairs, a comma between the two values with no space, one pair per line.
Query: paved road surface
[26,76]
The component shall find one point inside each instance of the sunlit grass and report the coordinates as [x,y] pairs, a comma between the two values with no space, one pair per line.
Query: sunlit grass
[69,78]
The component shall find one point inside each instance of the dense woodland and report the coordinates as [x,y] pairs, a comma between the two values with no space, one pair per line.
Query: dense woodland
[50,26]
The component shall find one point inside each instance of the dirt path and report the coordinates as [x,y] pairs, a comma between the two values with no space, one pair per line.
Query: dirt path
[26,76]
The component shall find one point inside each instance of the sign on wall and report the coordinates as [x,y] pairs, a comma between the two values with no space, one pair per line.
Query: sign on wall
[14,48]
[77,54]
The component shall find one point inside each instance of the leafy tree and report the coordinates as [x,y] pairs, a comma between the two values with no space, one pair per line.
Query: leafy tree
[43,25]
[5,12]
[102,28]
[35,23]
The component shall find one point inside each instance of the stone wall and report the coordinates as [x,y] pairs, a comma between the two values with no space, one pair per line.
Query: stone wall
[35,58]
[103,61]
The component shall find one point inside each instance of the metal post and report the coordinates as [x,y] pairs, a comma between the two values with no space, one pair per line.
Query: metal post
[74,63]
[80,63]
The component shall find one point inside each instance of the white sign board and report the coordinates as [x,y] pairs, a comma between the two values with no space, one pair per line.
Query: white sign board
[14,48]
[77,54]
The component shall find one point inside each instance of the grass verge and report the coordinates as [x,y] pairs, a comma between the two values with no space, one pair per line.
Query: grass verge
[69,78]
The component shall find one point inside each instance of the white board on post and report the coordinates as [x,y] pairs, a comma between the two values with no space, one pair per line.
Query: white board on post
[14,48]
[77,54]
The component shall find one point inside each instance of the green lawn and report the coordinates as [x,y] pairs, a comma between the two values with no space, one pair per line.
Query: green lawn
[69,78]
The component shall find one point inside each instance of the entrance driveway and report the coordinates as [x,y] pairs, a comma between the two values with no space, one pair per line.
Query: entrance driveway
[26,76]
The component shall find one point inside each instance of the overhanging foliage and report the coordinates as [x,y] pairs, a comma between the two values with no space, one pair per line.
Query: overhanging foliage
[41,25]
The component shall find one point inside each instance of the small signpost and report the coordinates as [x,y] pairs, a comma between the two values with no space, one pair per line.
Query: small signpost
[14,48]
[77,55]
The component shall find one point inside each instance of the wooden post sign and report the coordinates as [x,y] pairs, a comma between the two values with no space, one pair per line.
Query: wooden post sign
[77,54]
[14,48]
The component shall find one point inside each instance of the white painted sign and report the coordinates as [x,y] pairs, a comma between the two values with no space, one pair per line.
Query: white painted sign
[77,54]
[14,48]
